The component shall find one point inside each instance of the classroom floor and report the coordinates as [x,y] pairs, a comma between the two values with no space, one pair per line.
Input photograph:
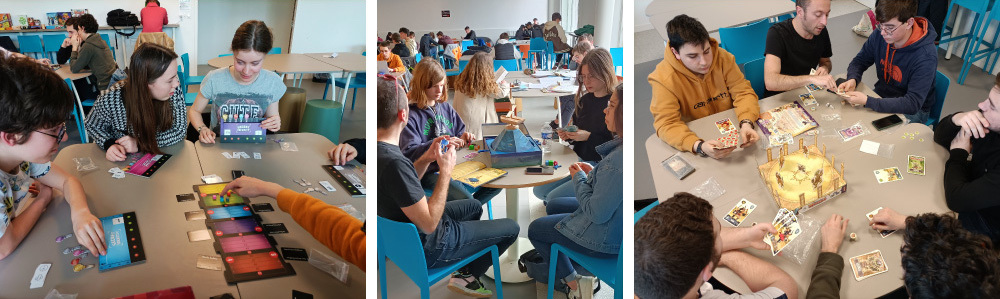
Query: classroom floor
[535,110]
[352,125]
[846,45]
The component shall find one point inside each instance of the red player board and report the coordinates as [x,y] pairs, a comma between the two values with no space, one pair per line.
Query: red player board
[244,243]
[251,266]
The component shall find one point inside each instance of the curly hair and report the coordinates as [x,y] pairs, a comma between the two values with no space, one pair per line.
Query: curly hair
[674,242]
[427,73]
[477,79]
[600,65]
[943,260]
[32,97]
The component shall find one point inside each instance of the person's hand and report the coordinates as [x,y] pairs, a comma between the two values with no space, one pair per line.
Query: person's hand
[749,135]
[856,98]
[823,80]
[468,138]
[822,71]
[848,85]
[579,135]
[446,159]
[972,122]
[44,61]
[456,141]
[75,42]
[89,231]
[129,143]
[33,189]
[754,236]
[833,233]
[116,153]
[248,187]
[579,167]
[206,135]
[962,141]
[710,149]
[272,123]
[342,153]
[68,41]
[433,150]
[887,219]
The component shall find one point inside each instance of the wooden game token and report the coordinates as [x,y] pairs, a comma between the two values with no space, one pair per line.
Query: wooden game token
[854,237]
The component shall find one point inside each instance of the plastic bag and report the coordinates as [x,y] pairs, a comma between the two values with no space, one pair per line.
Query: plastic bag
[854,131]
[350,210]
[54,294]
[708,190]
[84,164]
[289,146]
[335,267]
[805,245]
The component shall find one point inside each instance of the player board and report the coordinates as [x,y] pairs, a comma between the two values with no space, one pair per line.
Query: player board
[144,165]
[121,232]
[245,242]
[244,266]
[241,129]
[790,119]
[228,213]
[233,227]
[350,176]
[210,195]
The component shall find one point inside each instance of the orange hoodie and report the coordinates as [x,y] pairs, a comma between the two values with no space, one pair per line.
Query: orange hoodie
[328,224]
[395,63]
[680,96]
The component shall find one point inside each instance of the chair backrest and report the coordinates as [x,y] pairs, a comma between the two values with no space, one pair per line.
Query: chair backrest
[224,55]
[537,44]
[466,44]
[418,57]
[461,64]
[53,42]
[784,17]
[618,60]
[745,42]
[941,84]
[638,214]
[185,62]
[401,243]
[182,76]
[754,72]
[29,44]
[107,39]
[275,50]
[509,64]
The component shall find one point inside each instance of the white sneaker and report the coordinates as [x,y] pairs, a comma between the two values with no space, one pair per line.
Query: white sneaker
[584,289]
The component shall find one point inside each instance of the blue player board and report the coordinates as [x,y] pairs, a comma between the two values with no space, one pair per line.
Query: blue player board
[229,212]
[121,232]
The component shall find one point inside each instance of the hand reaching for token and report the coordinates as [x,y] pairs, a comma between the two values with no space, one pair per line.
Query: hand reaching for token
[888,219]
[833,233]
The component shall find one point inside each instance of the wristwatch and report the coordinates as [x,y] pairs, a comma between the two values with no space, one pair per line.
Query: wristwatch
[746,121]
[698,150]
[201,127]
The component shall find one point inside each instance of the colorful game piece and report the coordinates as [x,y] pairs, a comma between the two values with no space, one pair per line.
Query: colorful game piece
[74,261]
[78,268]
[77,252]
[59,239]
[67,251]
[89,266]
[854,237]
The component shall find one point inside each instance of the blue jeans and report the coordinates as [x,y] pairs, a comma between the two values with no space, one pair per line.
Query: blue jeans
[562,205]
[458,191]
[542,233]
[463,234]
[560,188]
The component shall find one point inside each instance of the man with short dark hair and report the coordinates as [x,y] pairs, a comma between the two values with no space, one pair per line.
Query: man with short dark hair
[905,57]
[679,243]
[554,33]
[796,46]
[697,78]
[469,34]
[91,52]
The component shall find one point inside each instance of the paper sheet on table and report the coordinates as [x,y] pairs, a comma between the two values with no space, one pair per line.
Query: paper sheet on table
[540,74]
[500,74]
[567,74]
[870,147]
[546,82]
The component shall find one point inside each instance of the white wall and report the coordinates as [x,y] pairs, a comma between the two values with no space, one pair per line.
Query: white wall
[641,21]
[487,18]
[219,19]
[606,13]
[329,26]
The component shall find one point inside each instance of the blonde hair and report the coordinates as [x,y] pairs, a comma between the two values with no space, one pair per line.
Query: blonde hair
[599,62]
[477,79]
[427,73]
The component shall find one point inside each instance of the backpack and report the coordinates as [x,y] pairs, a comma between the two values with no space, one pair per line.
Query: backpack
[123,18]
[531,263]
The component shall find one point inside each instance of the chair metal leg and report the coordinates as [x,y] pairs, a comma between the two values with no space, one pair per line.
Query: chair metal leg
[497,281]
[489,204]
[381,274]
[552,271]
[354,99]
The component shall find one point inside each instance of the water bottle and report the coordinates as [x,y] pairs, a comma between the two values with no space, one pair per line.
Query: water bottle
[546,137]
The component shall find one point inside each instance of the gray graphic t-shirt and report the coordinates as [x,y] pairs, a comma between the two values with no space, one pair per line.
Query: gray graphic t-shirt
[232,99]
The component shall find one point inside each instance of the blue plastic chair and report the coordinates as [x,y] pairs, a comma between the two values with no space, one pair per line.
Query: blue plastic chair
[608,270]
[781,18]
[618,59]
[536,48]
[224,55]
[189,97]
[358,81]
[189,80]
[51,44]
[941,84]
[30,44]
[754,72]
[948,34]
[274,50]
[645,210]
[461,67]
[466,44]
[107,39]
[508,64]
[401,243]
[746,43]
[972,52]
[418,57]
[76,114]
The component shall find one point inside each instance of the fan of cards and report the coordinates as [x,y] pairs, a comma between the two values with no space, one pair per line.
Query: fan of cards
[117,173]
[787,225]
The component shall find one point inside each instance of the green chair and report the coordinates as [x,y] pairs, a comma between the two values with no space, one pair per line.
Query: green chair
[323,117]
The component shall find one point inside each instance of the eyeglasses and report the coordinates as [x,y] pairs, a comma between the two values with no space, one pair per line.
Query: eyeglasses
[59,133]
[887,30]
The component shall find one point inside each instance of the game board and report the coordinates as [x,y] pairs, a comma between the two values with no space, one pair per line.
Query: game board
[241,129]
[350,176]
[801,180]
[248,242]
[237,211]
[238,226]
[121,232]
[790,119]
[244,266]
[210,196]
[144,165]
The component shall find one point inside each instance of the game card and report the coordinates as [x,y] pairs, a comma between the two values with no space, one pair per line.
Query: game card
[295,254]
[871,216]
[731,139]
[813,87]
[740,212]
[199,235]
[915,165]
[808,99]
[209,262]
[886,175]
[144,165]
[238,226]
[194,215]
[725,125]
[244,266]
[678,166]
[124,242]
[851,132]
[868,265]
[787,225]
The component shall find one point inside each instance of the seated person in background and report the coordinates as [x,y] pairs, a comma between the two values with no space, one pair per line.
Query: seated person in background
[83,88]
[554,33]
[970,187]
[592,224]
[91,52]
[451,230]
[505,50]
[444,39]
[449,56]
[331,226]
[399,47]
[679,243]
[523,32]
[597,80]
[579,51]
[411,42]
[697,78]
[432,117]
[797,45]
[427,46]
[144,112]
[352,149]
[34,105]
[469,34]
[905,57]
[475,90]
[393,60]
[245,87]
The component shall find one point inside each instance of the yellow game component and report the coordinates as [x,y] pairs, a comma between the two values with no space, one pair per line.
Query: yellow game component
[803,179]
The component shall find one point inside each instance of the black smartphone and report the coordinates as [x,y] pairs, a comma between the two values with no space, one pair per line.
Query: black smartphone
[887,122]
[238,173]
[839,81]
[538,170]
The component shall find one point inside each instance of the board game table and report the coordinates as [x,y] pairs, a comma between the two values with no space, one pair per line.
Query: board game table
[170,257]
[739,176]
[349,63]
[282,167]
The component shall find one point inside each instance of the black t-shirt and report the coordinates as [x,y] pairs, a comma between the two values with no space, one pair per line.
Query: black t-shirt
[398,185]
[590,117]
[797,54]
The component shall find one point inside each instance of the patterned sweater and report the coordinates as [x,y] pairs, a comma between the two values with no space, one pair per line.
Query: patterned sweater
[108,120]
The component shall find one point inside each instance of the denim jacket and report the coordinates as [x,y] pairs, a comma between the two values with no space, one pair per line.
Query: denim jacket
[597,223]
